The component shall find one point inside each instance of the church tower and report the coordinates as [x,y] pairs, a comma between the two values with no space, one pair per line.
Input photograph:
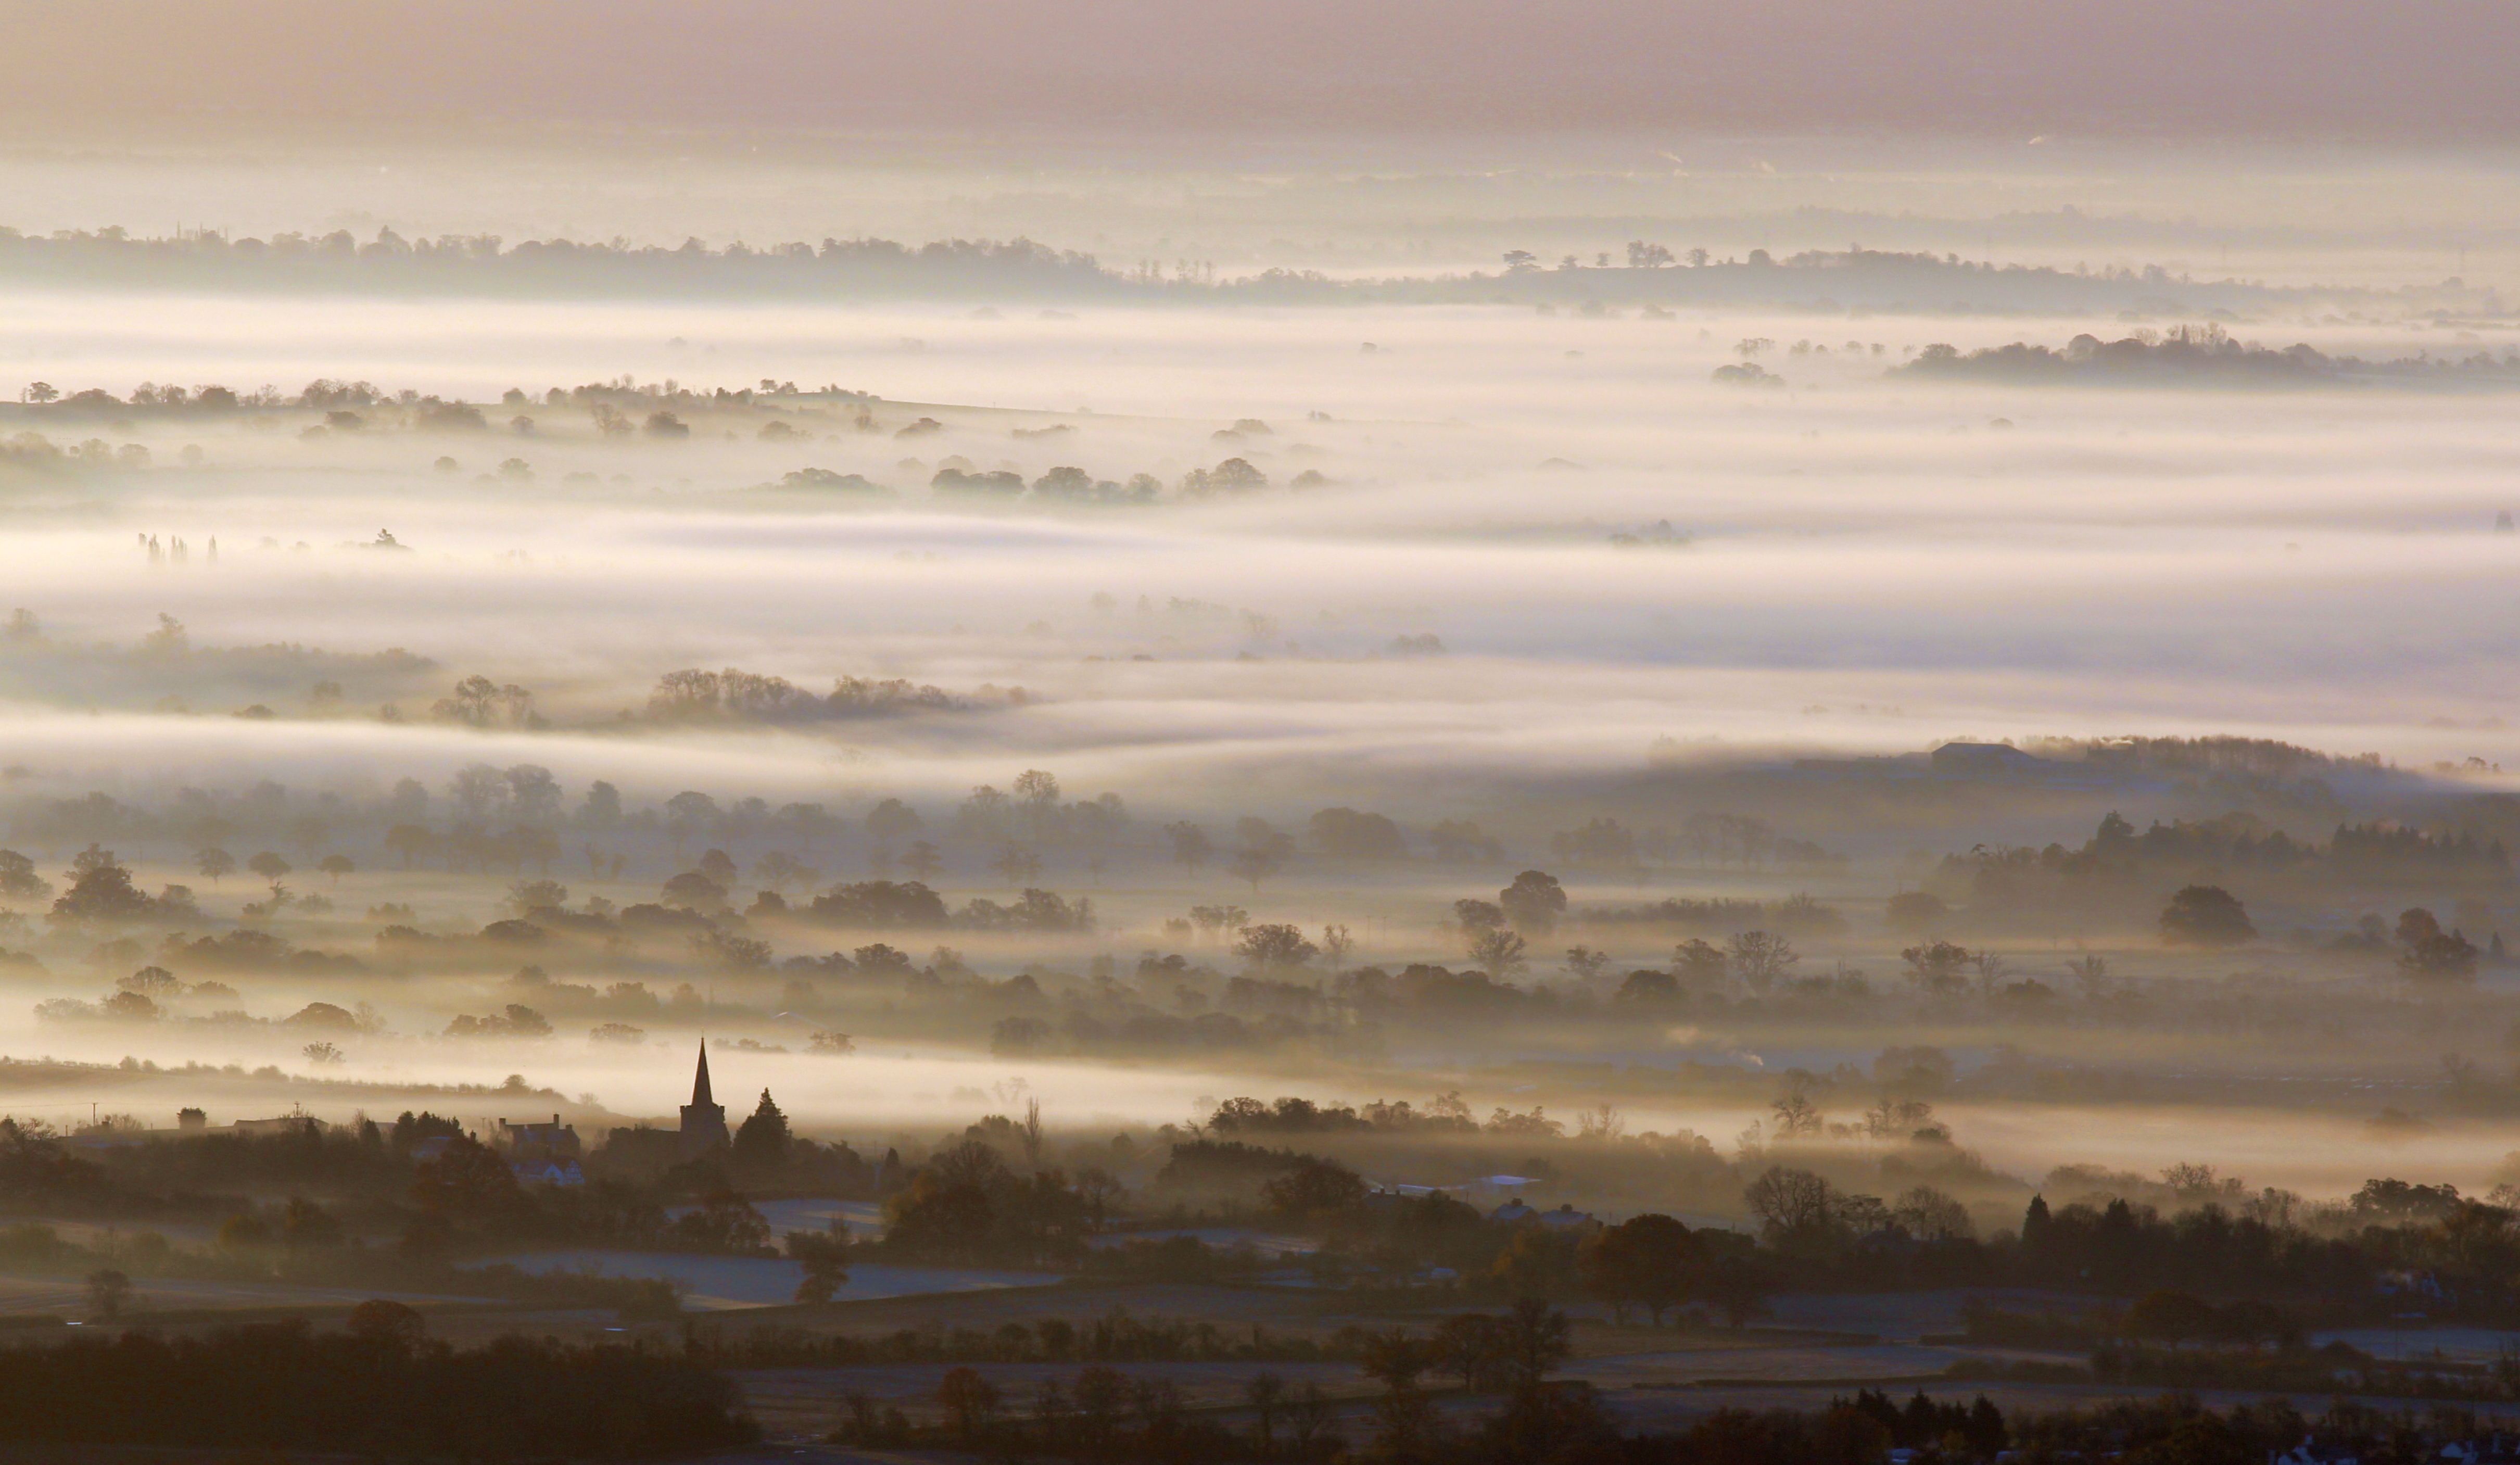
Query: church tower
[704,1118]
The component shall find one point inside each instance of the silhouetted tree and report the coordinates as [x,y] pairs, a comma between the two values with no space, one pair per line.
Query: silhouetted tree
[2205,915]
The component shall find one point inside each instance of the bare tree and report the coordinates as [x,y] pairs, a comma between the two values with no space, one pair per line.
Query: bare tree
[1797,1117]
[1602,1122]
[1264,1389]
[1759,960]
[1929,1214]
[1787,1200]
[1498,952]
[1029,1133]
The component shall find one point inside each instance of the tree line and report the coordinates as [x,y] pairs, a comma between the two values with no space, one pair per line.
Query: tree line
[378,1388]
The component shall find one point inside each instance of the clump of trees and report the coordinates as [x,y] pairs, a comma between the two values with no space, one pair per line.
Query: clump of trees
[738,695]
[1115,1337]
[969,1207]
[2205,915]
[2199,355]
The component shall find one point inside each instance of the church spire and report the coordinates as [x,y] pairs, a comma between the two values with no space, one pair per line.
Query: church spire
[704,1118]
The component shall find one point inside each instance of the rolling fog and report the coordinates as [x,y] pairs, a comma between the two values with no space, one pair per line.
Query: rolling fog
[1506,566]
[1870,564]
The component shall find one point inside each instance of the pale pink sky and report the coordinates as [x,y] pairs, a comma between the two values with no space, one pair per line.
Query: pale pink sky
[2328,69]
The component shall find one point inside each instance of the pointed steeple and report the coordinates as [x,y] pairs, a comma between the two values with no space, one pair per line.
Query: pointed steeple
[704,1118]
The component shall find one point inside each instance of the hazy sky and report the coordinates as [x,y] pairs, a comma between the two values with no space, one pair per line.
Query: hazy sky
[2318,68]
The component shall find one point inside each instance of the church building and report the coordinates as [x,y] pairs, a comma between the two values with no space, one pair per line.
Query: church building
[704,1118]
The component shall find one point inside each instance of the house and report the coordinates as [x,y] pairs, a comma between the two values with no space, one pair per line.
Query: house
[1516,1211]
[540,1154]
[1892,1241]
[527,1142]
[121,1132]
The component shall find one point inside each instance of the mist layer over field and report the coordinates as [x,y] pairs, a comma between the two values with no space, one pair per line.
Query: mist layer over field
[1867,563]
[1499,572]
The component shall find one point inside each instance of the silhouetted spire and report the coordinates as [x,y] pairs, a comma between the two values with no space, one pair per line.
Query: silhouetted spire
[704,1118]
